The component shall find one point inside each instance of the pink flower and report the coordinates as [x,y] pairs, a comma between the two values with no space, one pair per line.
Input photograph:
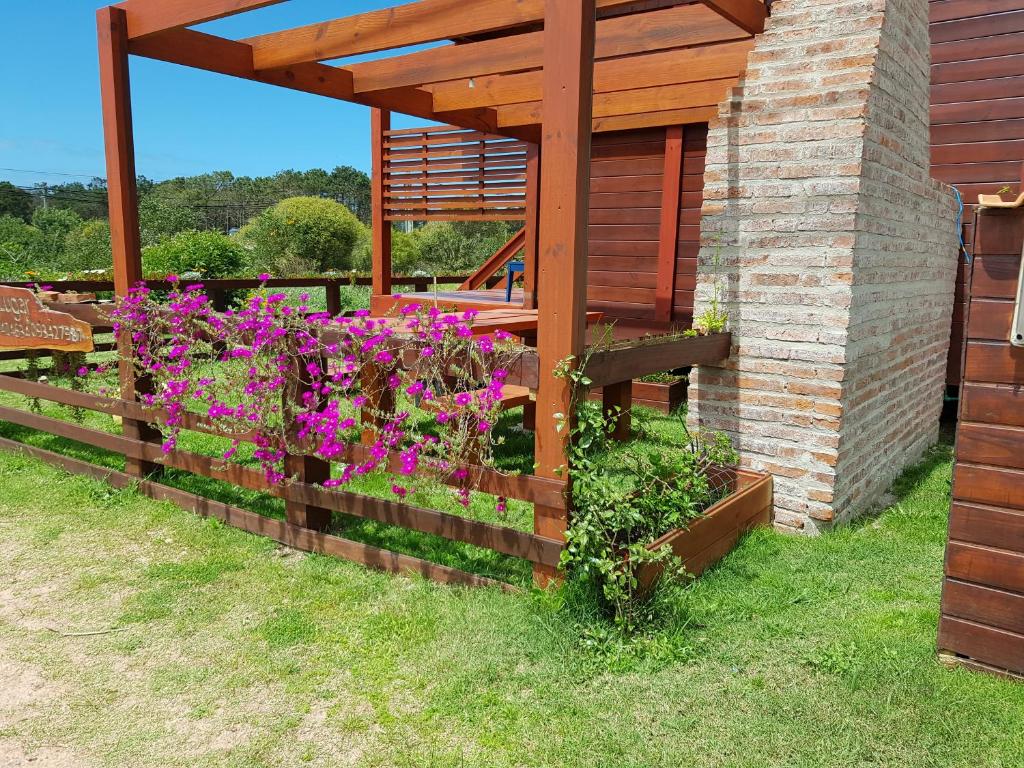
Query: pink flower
[463,399]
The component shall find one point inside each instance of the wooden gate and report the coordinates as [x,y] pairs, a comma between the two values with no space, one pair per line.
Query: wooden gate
[982,619]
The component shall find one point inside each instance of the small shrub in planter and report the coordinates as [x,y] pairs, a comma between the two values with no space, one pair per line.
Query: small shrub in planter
[627,496]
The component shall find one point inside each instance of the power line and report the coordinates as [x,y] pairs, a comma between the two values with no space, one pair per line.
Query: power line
[55,173]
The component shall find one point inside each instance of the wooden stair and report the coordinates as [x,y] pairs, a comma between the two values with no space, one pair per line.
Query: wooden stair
[495,262]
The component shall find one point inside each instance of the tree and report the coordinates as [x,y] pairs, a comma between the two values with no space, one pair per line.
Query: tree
[15,202]
[161,217]
[17,243]
[443,249]
[87,247]
[210,254]
[54,225]
[302,235]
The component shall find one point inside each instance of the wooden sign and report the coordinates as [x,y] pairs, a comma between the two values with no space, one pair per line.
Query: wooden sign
[26,324]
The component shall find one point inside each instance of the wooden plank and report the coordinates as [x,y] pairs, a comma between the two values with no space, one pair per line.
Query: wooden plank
[146,17]
[687,25]
[700,95]
[681,65]
[994,363]
[999,235]
[409,24]
[611,365]
[992,444]
[667,234]
[980,152]
[971,134]
[568,62]
[974,111]
[948,10]
[993,404]
[992,567]
[989,645]
[987,525]
[990,320]
[970,172]
[988,485]
[967,50]
[977,27]
[983,605]
[980,69]
[531,246]
[380,121]
[978,90]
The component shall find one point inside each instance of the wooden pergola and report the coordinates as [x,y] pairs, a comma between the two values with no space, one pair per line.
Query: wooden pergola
[549,73]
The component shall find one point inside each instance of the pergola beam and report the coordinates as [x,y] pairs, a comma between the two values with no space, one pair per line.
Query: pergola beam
[216,54]
[148,17]
[426,21]
[663,98]
[682,26]
[679,65]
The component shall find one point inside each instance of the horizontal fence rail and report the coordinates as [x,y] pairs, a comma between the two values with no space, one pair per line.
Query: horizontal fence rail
[453,174]
[508,541]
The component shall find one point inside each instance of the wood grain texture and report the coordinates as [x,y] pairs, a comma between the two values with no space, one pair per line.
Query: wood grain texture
[146,17]
[568,59]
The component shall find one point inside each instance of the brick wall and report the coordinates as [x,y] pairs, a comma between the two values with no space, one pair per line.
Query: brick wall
[835,254]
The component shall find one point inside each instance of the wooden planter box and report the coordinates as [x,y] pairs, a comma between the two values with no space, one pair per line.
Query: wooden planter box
[711,537]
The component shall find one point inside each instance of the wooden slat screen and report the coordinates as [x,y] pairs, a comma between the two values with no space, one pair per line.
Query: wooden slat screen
[452,174]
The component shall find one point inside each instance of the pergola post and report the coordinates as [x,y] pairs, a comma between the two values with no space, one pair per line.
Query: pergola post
[530,225]
[380,123]
[569,30]
[123,204]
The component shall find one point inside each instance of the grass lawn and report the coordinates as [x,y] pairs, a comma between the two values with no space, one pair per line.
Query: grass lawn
[227,650]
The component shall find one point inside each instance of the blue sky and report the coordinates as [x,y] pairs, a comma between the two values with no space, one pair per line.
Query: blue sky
[186,121]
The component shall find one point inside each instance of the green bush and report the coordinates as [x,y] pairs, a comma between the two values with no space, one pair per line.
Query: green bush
[86,247]
[211,254]
[302,235]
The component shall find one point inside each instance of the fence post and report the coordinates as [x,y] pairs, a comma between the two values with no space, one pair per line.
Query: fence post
[333,290]
[304,468]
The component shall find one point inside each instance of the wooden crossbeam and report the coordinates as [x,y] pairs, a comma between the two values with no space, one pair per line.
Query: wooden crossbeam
[655,119]
[678,27]
[680,65]
[748,15]
[216,54]
[426,21]
[148,17]
[706,93]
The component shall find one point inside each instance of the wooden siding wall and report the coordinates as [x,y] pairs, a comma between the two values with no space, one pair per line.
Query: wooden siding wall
[977,110]
[627,178]
[983,594]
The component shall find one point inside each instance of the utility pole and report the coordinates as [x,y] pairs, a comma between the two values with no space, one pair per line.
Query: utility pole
[45,195]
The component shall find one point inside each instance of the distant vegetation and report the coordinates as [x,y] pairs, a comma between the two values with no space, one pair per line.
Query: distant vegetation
[290,224]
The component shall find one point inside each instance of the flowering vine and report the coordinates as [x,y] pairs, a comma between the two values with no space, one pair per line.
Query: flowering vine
[413,394]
